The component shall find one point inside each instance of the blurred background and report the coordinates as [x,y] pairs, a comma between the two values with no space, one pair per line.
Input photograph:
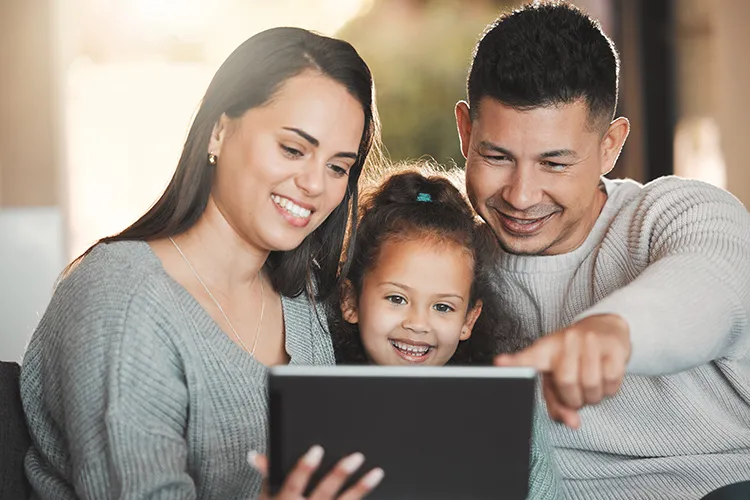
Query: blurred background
[96,97]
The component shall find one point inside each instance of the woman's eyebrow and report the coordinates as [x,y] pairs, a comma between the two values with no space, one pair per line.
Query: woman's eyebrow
[312,140]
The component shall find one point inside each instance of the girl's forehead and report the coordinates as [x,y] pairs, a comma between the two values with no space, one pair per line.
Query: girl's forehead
[424,256]
[425,242]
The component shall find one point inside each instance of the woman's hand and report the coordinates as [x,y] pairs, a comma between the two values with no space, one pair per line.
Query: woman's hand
[328,488]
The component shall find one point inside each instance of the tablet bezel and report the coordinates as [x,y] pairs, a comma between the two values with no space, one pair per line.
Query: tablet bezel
[369,372]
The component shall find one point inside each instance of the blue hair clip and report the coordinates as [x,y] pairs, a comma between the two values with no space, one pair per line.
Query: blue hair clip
[424,197]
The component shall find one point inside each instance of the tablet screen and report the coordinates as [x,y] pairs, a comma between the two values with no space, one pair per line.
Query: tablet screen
[438,432]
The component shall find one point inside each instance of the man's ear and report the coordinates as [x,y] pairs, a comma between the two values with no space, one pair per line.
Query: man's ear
[349,303]
[612,143]
[471,318]
[463,124]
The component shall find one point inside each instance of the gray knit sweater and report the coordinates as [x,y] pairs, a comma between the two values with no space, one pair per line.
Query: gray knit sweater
[132,391]
[673,259]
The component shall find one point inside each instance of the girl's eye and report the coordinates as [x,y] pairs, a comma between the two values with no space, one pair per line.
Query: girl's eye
[337,170]
[443,308]
[396,299]
[291,152]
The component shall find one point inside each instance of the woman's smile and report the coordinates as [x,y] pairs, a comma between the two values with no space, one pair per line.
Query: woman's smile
[295,213]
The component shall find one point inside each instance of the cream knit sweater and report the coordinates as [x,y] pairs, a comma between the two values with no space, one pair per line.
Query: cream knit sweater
[673,259]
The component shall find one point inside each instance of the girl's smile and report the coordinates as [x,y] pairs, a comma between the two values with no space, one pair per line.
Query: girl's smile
[414,304]
[412,351]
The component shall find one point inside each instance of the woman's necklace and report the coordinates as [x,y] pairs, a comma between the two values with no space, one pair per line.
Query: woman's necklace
[221,309]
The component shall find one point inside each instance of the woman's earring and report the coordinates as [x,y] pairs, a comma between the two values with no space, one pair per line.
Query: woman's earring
[212,159]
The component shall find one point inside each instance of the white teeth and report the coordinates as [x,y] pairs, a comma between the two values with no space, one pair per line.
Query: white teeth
[526,221]
[523,221]
[291,207]
[411,350]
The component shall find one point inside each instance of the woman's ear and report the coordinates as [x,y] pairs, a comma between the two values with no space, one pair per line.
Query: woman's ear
[217,135]
[349,303]
[471,319]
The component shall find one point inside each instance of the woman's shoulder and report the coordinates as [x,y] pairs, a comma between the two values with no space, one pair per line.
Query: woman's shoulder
[135,254]
[121,265]
[117,293]
[106,281]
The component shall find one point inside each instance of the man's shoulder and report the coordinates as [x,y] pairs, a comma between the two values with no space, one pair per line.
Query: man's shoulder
[672,210]
[669,189]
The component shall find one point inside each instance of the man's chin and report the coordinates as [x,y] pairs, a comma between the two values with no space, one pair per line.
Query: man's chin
[522,246]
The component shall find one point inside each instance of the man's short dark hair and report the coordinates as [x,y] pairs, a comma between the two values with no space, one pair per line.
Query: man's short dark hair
[546,54]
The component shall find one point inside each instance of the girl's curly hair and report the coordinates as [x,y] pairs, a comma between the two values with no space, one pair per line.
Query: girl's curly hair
[398,209]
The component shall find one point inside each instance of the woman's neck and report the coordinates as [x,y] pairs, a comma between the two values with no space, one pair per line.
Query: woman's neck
[227,259]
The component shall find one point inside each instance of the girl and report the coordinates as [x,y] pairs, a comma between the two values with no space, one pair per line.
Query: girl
[146,376]
[418,291]
[419,243]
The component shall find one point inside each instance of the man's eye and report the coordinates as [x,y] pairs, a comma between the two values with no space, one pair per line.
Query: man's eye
[495,158]
[556,166]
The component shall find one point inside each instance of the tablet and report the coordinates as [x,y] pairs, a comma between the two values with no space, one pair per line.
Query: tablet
[437,432]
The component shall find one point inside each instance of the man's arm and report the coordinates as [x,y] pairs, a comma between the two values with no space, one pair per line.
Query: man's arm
[691,304]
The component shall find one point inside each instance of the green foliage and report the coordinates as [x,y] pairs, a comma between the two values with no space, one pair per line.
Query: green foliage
[419,52]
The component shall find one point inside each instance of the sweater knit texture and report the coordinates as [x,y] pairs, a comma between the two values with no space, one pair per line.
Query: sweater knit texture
[673,259]
[132,391]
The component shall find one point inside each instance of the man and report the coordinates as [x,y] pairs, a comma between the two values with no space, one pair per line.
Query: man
[612,276]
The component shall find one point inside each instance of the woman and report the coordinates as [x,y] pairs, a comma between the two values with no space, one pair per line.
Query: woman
[146,376]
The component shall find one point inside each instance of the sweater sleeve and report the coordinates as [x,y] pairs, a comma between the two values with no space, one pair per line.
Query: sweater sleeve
[544,479]
[691,303]
[115,387]
[147,416]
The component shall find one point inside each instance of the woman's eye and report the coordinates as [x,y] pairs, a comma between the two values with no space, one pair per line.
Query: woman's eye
[396,299]
[338,170]
[443,308]
[291,152]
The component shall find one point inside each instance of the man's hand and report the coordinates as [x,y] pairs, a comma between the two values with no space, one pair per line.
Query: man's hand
[581,364]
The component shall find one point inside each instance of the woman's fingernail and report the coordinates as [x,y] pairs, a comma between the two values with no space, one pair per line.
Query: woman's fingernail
[373,478]
[352,462]
[313,456]
[251,456]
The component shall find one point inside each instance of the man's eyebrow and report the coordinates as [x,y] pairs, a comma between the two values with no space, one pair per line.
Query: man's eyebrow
[559,152]
[494,147]
[312,140]
[555,153]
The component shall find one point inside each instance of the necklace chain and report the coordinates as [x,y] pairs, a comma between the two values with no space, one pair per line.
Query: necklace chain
[221,309]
